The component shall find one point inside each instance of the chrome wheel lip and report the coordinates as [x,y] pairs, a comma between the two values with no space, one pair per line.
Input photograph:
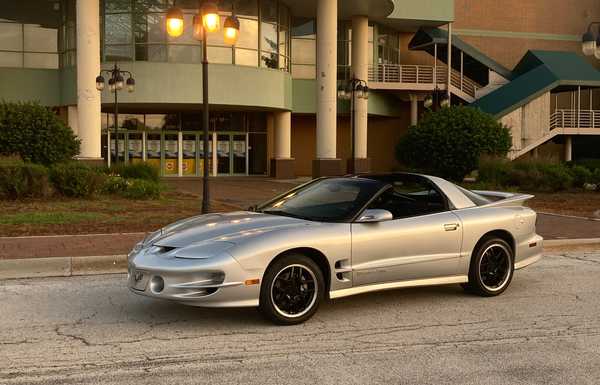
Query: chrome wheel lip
[506,278]
[314,297]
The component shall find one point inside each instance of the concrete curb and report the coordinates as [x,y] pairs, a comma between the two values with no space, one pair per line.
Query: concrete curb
[112,264]
[62,266]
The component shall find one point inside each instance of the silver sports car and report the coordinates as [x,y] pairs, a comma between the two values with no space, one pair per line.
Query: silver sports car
[336,237]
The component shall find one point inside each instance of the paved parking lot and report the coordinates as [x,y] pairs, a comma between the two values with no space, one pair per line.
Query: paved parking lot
[544,330]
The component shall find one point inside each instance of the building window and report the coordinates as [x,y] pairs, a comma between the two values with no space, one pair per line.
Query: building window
[34,44]
[134,31]
[304,48]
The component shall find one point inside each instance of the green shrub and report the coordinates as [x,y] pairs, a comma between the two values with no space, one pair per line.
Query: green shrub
[23,180]
[495,171]
[450,142]
[581,175]
[142,189]
[595,179]
[589,163]
[114,185]
[136,171]
[35,133]
[75,179]
[531,175]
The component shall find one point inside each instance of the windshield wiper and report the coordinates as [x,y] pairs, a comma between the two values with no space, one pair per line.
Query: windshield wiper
[286,214]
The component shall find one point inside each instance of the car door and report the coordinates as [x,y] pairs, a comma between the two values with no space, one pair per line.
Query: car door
[422,241]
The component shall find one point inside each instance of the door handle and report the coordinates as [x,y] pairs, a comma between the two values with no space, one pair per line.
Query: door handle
[451,226]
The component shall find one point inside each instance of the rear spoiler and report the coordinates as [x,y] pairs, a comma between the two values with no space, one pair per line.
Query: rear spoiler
[504,199]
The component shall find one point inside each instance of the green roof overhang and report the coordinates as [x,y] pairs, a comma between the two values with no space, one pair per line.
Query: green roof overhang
[539,72]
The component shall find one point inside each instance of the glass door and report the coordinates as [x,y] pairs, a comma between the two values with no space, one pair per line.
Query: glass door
[171,151]
[232,154]
[134,147]
[189,154]
[224,154]
[239,153]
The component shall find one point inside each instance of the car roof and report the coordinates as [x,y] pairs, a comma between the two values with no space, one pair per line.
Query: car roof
[456,197]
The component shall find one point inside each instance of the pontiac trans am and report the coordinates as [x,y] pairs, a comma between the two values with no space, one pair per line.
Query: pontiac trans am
[337,237]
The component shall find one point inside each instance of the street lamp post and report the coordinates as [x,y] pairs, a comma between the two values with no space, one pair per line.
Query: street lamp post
[436,100]
[115,84]
[354,88]
[207,20]
[590,43]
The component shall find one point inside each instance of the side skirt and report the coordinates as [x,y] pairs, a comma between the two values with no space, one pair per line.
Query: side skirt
[397,285]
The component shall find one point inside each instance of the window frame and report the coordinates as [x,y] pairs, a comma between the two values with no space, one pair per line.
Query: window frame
[387,185]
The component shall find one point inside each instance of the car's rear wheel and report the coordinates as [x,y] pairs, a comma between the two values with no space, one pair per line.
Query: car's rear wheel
[492,268]
[292,289]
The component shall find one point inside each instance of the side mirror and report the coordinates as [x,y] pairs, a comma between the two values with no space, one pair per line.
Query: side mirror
[375,215]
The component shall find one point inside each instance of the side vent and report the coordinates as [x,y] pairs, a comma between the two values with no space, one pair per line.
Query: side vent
[343,270]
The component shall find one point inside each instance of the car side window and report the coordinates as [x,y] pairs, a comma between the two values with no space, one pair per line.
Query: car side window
[410,198]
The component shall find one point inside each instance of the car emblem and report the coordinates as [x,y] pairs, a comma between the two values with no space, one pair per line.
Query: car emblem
[137,277]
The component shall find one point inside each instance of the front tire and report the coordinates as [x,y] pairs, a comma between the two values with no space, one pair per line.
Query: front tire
[292,289]
[492,268]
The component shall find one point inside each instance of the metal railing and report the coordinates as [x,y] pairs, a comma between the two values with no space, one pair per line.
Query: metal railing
[575,119]
[421,74]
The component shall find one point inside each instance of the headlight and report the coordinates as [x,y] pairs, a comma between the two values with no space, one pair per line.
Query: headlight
[203,250]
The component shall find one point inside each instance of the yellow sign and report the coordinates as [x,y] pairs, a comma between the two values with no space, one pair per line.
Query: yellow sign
[189,166]
[170,166]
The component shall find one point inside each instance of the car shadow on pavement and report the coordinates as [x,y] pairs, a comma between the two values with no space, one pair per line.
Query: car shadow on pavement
[160,312]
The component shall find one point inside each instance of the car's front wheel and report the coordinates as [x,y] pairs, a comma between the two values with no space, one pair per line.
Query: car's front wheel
[291,290]
[492,268]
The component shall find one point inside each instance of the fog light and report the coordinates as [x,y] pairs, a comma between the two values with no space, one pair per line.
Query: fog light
[157,284]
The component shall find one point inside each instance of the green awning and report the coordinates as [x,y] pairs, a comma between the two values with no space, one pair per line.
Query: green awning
[475,64]
[539,72]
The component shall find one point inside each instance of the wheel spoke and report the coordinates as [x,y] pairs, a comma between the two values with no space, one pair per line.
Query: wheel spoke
[293,290]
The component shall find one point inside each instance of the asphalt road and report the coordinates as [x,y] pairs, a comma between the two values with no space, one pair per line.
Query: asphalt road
[544,330]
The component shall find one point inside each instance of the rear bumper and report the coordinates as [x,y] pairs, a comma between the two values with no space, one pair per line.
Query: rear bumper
[529,251]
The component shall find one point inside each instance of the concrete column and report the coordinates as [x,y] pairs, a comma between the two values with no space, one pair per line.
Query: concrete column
[283,134]
[414,109]
[282,164]
[326,162]
[88,67]
[360,70]
[568,148]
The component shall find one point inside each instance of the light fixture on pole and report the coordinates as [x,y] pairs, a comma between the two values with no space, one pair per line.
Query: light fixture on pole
[210,16]
[175,22]
[590,44]
[115,84]
[207,20]
[353,89]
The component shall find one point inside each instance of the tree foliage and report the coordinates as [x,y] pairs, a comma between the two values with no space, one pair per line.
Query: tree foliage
[450,142]
[35,133]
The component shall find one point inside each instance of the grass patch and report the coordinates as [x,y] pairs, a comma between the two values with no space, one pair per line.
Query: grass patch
[49,218]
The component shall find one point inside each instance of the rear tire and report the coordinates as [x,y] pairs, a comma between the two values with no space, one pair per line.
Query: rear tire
[492,268]
[292,289]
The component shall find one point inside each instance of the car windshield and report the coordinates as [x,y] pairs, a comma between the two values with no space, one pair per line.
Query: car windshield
[325,200]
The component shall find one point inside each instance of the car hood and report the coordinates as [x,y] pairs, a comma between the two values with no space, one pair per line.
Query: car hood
[229,227]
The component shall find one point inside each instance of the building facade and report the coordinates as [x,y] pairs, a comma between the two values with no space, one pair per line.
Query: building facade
[273,96]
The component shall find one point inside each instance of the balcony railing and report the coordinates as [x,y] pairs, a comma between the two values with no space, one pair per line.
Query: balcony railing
[575,119]
[421,74]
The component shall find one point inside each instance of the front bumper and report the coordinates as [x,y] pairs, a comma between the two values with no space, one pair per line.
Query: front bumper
[219,281]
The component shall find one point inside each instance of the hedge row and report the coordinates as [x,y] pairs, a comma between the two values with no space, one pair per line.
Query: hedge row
[20,179]
[536,175]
